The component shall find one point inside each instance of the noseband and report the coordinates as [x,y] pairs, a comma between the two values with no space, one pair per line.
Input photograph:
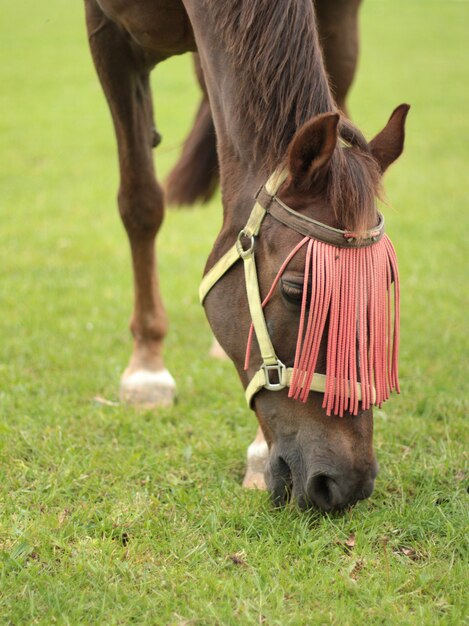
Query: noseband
[340,386]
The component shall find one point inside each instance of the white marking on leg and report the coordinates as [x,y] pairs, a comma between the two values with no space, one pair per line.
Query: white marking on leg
[257,455]
[258,452]
[217,352]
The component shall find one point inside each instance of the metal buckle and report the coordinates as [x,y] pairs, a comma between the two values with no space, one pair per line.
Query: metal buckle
[239,246]
[281,370]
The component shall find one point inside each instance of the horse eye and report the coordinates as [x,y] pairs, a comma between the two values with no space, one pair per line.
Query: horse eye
[293,292]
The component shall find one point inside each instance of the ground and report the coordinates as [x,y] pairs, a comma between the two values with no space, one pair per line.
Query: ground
[110,515]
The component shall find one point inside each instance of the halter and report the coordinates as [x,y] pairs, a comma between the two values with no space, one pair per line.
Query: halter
[273,375]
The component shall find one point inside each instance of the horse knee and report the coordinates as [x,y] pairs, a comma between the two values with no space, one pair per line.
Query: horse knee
[141,207]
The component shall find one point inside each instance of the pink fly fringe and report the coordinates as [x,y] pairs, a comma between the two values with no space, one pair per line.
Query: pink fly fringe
[355,293]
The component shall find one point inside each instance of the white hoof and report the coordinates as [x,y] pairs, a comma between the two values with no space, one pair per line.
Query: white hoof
[257,455]
[254,480]
[148,389]
[217,352]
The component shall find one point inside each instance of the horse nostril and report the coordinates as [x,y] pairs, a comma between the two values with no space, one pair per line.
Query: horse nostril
[330,493]
[323,491]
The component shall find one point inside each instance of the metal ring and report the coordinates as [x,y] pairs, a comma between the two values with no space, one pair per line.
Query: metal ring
[244,253]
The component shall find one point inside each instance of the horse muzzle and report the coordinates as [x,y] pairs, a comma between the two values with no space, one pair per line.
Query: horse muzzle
[315,484]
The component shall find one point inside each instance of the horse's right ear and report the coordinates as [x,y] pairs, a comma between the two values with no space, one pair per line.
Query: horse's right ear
[311,149]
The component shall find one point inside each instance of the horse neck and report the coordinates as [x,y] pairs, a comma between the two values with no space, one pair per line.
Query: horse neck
[265,77]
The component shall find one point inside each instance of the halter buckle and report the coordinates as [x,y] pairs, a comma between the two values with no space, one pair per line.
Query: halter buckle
[239,246]
[281,371]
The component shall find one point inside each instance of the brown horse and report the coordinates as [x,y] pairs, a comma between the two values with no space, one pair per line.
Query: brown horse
[273,111]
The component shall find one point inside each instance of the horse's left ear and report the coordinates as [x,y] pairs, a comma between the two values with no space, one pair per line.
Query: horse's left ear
[387,146]
[311,149]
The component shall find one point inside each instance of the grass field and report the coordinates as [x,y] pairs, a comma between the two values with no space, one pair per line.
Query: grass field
[114,516]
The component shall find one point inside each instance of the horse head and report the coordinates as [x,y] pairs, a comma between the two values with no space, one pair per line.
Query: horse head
[317,420]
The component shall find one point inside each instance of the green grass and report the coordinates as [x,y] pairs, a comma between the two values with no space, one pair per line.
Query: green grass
[109,515]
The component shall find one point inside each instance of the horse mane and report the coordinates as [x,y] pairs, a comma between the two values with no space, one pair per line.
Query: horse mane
[282,81]
[273,46]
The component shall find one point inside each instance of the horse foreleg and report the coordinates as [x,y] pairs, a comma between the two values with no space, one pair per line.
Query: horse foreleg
[338,34]
[124,76]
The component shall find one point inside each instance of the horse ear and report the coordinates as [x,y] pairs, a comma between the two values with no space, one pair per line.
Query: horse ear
[389,143]
[311,149]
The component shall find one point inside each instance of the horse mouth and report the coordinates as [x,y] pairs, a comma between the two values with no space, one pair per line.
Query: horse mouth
[279,481]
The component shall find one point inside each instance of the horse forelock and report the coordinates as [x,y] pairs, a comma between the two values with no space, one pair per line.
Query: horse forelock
[281,83]
[354,182]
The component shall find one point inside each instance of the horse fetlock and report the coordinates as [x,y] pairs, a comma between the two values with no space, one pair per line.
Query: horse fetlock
[149,333]
[148,389]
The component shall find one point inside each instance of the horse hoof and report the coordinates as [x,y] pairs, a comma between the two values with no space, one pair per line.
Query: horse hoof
[257,455]
[254,480]
[217,352]
[148,389]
